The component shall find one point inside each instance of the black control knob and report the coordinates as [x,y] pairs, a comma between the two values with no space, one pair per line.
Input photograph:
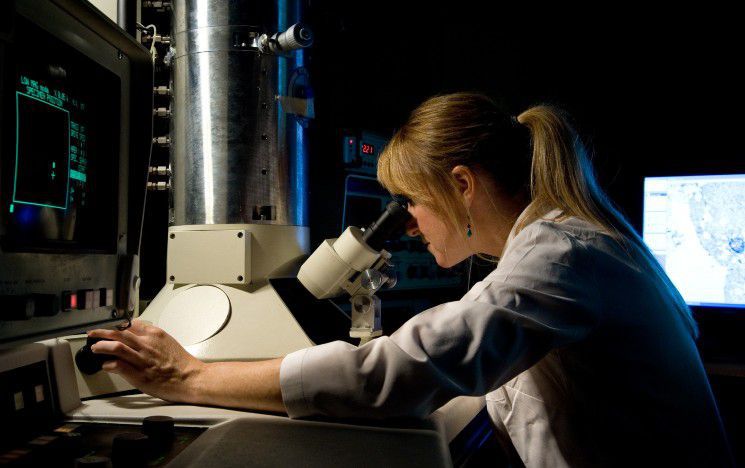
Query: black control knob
[159,429]
[89,362]
[93,462]
[130,449]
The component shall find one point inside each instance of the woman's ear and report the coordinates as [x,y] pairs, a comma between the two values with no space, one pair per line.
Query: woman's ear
[466,181]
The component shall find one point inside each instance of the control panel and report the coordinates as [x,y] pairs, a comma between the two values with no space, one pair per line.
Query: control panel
[37,434]
[36,305]
[154,443]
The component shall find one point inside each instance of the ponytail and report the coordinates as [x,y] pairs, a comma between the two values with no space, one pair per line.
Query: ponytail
[562,176]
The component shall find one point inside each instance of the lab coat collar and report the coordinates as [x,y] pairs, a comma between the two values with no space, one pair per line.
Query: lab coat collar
[549,216]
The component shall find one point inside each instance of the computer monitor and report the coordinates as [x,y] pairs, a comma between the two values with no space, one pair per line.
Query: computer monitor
[695,227]
[75,132]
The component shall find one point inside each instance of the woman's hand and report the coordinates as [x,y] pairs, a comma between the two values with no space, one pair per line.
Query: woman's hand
[151,360]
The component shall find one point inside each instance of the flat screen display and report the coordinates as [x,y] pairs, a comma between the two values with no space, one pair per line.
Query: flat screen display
[60,148]
[695,227]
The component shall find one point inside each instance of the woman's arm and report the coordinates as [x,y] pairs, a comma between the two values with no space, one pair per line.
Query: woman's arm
[541,297]
[152,361]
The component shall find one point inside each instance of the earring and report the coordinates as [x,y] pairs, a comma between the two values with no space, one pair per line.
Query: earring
[469,233]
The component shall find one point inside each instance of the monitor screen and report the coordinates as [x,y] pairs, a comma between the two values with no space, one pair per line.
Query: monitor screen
[695,227]
[59,176]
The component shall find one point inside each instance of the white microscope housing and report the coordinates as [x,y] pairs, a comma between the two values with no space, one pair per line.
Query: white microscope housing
[328,271]
[357,264]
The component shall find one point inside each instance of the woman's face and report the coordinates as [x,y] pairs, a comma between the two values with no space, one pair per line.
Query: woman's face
[449,248]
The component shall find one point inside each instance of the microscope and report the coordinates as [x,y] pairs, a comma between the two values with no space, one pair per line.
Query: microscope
[357,264]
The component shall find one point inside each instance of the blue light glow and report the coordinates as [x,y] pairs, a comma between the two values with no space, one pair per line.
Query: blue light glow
[301,174]
[27,214]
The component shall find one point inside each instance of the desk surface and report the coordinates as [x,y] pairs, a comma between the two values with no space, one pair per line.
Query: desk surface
[238,438]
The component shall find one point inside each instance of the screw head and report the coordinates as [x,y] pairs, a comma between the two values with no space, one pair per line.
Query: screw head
[172,278]
[172,236]
[240,278]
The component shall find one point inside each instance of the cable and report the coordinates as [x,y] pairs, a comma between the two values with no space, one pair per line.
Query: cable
[150,153]
[470,267]
[153,50]
[339,309]
[128,315]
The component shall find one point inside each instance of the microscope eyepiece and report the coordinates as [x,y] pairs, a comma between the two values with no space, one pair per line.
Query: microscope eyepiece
[389,225]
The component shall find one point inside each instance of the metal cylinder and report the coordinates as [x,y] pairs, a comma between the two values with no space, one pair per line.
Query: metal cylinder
[237,156]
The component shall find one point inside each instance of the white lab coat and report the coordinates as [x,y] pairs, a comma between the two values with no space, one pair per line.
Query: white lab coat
[581,356]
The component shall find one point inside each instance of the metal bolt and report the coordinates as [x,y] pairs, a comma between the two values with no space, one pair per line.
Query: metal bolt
[240,278]
[172,236]
[240,235]
[172,278]
[264,136]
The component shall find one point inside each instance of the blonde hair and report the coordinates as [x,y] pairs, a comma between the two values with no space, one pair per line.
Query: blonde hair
[538,155]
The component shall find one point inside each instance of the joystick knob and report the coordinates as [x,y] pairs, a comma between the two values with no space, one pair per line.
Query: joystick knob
[89,362]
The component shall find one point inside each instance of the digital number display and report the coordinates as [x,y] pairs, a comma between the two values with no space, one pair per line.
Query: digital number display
[368,148]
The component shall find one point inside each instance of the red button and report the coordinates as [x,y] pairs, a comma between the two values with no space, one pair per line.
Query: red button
[69,300]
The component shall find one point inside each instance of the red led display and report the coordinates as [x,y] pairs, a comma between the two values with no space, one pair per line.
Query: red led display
[368,148]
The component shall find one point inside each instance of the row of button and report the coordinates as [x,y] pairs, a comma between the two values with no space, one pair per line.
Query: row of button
[87,299]
[27,306]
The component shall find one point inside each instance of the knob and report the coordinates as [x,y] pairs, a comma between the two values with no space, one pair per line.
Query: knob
[92,461]
[89,362]
[130,449]
[297,36]
[159,429]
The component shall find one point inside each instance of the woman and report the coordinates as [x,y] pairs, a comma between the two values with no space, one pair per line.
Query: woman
[584,349]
